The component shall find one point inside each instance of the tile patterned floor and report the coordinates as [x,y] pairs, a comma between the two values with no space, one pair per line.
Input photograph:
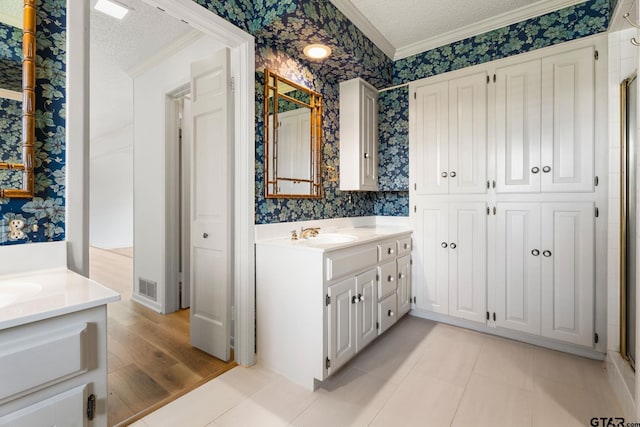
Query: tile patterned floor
[419,373]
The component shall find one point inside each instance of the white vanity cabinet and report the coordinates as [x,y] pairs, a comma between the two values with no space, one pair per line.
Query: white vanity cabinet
[53,351]
[317,306]
[358,136]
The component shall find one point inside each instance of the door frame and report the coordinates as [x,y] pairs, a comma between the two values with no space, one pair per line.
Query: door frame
[77,213]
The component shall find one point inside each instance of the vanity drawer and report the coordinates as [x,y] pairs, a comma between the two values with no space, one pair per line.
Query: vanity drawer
[404,246]
[387,250]
[387,312]
[343,263]
[42,357]
[387,279]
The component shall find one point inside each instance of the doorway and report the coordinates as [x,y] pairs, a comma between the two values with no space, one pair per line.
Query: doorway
[629,212]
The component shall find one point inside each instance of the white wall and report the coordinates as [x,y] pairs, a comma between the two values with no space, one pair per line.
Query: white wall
[111,189]
[150,90]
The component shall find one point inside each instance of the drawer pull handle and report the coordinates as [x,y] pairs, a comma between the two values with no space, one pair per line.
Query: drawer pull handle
[444,245]
[390,251]
[546,253]
[390,313]
[390,278]
[535,252]
[205,235]
[452,245]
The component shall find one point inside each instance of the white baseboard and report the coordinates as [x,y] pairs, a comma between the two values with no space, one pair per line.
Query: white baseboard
[617,371]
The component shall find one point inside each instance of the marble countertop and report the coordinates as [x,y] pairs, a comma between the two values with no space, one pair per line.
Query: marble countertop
[353,236]
[42,294]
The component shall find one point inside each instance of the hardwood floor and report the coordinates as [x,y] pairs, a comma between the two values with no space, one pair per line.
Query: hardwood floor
[150,359]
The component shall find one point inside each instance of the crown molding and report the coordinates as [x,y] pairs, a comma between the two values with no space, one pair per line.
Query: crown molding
[364,25]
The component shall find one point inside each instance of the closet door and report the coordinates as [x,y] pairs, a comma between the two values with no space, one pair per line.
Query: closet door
[468,134]
[432,139]
[568,112]
[366,308]
[431,275]
[341,318]
[369,139]
[518,128]
[517,266]
[568,269]
[468,260]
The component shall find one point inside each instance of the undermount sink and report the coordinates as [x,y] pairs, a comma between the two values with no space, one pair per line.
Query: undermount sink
[330,238]
[12,291]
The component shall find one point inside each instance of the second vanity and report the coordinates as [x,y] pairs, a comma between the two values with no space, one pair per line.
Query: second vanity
[323,299]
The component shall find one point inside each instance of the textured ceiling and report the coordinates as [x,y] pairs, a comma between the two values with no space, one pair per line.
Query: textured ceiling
[116,47]
[407,27]
[11,12]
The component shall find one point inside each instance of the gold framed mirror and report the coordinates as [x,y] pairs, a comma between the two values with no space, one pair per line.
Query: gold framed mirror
[292,139]
[16,164]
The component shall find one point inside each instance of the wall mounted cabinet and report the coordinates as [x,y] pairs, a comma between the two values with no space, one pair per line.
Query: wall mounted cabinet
[358,136]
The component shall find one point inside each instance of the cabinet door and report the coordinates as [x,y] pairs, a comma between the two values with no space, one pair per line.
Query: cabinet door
[366,308]
[369,138]
[342,322]
[568,269]
[518,128]
[432,139]
[468,134]
[431,257]
[468,260]
[404,285]
[517,266]
[568,110]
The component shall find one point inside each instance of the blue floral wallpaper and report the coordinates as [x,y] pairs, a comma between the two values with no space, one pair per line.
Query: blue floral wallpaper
[44,214]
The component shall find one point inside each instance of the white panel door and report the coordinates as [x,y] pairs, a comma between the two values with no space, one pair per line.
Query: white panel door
[568,271]
[468,260]
[468,134]
[518,128]
[568,124]
[517,266]
[342,322]
[369,140]
[404,285]
[432,139]
[431,275]
[366,308]
[211,205]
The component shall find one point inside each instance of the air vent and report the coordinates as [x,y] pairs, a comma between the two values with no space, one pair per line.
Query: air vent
[148,288]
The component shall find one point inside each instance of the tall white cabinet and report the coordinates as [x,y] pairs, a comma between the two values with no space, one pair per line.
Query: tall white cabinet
[504,195]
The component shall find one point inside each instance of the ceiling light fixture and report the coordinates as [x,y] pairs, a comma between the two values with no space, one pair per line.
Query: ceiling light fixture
[112,8]
[317,51]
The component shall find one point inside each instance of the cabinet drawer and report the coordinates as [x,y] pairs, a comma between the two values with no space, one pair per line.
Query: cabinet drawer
[40,359]
[341,264]
[65,409]
[404,246]
[387,313]
[387,250]
[387,279]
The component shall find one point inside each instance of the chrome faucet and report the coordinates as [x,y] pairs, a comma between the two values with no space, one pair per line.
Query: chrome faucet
[305,233]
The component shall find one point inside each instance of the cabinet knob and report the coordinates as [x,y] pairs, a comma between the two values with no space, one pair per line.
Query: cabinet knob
[546,169]
[390,251]
[444,245]
[366,155]
[452,245]
[360,297]
[452,174]
[535,169]
[390,313]
[406,246]
[205,235]
[546,253]
[535,252]
[354,299]
[400,276]
[390,278]
[444,174]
